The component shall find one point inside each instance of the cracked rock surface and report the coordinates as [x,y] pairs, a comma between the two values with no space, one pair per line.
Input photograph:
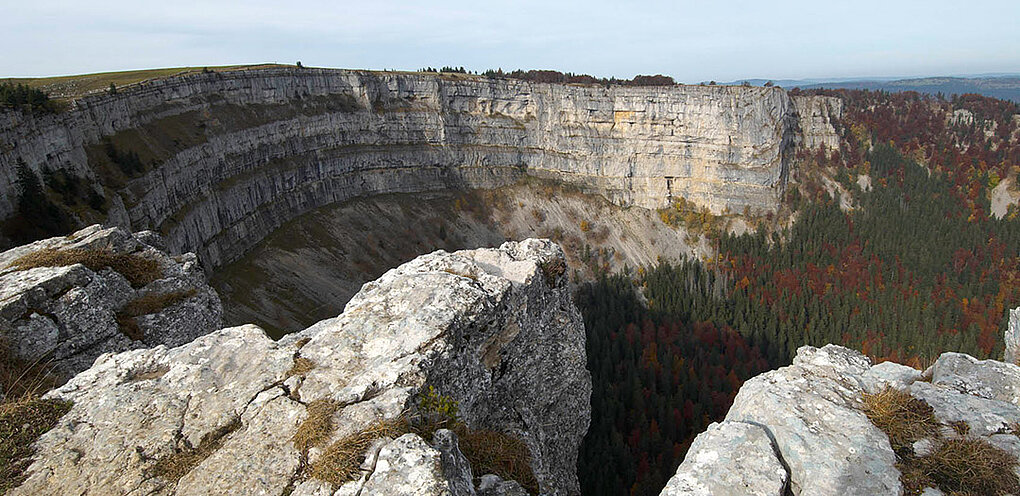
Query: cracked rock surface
[733,458]
[68,315]
[493,329]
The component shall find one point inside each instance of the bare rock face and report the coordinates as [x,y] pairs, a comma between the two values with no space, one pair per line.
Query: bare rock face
[231,156]
[69,315]
[493,329]
[730,458]
[1012,337]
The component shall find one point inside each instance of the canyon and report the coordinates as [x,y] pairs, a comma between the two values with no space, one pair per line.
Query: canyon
[227,157]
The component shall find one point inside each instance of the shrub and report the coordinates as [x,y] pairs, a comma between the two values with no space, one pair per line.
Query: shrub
[552,269]
[488,451]
[138,270]
[301,366]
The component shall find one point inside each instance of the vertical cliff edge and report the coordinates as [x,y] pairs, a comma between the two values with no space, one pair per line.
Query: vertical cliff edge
[214,162]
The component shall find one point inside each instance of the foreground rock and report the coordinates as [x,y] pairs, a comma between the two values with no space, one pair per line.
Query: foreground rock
[732,458]
[811,415]
[493,329]
[69,315]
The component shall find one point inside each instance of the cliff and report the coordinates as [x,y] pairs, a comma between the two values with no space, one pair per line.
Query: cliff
[445,368]
[226,158]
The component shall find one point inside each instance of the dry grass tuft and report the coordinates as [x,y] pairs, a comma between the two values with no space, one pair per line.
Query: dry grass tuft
[960,467]
[301,366]
[341,461]
[317,426]
[971,466]
[488,451]
[21,423]
[961,427]
[152,303]
[902,417]
[552,269]
[138,270]
[302,342]
[176,465]
[148,304]
[492,452]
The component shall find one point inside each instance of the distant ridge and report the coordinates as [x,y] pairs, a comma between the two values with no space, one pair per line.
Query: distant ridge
[1004,86]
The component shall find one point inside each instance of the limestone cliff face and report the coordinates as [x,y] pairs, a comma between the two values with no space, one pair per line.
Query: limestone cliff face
[493,329]
[231,156]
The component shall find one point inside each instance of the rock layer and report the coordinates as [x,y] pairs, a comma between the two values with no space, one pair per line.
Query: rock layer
[231,156]
[493,329]
[67,316]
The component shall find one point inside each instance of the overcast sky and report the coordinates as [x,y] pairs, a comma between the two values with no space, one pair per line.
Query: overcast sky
[690,40]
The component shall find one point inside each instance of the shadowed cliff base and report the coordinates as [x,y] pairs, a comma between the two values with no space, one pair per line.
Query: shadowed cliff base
[308,269]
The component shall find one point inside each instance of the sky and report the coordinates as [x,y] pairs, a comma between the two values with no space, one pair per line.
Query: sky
[692,41]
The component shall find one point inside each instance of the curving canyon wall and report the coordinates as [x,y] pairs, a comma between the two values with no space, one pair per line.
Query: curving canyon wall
[231,156]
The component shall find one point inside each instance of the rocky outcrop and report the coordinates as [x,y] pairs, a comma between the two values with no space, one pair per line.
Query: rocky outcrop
[812,415]
[731,458]
[231,156]
[75,306]
[1011,337]
[492,329]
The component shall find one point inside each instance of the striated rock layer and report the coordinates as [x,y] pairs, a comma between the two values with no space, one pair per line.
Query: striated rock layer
[493,329]
[231,156]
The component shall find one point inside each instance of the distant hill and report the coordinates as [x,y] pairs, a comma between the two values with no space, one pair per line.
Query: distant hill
[1003,86]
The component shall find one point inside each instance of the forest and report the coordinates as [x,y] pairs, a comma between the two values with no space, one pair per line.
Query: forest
[917,267]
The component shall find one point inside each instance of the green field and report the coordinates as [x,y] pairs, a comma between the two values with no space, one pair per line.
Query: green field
[71,87]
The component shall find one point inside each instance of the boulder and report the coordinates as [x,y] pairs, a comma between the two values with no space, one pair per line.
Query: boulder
[889,374]
[983,378]
[811,409]
[69,315]
[730,458]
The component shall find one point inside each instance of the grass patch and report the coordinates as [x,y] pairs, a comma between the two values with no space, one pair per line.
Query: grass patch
[902,417]
[145,305]
[176,465]
[138,270]
[960,466]
[971,466]
[21,424]
[301,366]
[317,426]
[341,461]
[488,451]
[493,452]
